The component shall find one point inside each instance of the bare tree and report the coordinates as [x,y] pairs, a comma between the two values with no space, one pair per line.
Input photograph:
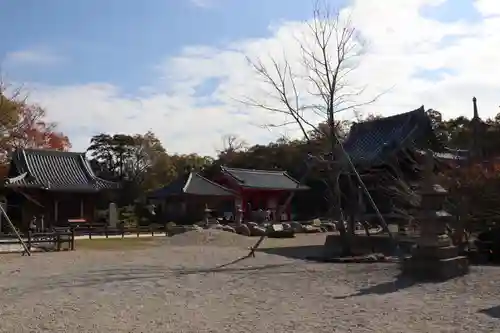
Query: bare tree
[233,143]
[313,90]
[331,48]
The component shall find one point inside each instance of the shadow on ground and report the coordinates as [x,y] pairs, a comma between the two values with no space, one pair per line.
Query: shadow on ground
[295,252]
[144,273]
[493,312]
[315,253]
[399,284]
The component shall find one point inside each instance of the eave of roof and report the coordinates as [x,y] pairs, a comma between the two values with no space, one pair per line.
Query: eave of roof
[192,184]
[263,179]
[55,170]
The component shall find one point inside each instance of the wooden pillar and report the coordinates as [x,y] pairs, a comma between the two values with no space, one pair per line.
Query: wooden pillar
[288,209]
[3,202]
[56,210]
[82,207]
[93,204]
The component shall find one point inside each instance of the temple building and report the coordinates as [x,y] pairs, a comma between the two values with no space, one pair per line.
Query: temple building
[51,185]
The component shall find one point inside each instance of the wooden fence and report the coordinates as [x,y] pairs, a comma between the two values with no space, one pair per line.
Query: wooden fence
[91,230]
[64,237]
[57,238]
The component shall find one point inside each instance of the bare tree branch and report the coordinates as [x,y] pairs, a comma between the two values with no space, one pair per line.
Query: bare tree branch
[232,143]
[318,87]
[330,50]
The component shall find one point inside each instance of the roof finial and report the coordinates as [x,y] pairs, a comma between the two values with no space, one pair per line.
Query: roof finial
[476,113]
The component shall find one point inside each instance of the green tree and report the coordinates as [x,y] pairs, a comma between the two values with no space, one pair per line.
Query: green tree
[139,159]
[184,163]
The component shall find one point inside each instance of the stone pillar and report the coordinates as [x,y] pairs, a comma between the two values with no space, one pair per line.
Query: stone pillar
[113,215]
[207,212]
[238,217]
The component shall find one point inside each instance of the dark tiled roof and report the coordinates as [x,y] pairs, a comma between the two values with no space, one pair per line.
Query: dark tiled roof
[371,142]
[193,184]
[264,179]
[54,170]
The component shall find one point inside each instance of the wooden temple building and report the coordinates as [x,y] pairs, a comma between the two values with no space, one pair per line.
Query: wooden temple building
[394,162]
[260,189]
[186,198]
[229,190]
[60,186]
[388,154]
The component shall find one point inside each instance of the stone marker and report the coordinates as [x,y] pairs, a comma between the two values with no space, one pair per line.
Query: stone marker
[113,215]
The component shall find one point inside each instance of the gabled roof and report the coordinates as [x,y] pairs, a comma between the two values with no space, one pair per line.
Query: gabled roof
[54,170]
[263,179]
[372,141]
[192,184]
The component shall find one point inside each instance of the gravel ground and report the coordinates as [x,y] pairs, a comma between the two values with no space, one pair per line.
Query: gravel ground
[174,288]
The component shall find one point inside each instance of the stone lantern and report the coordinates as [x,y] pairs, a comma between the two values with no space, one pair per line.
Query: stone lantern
[208,214]
[434,257]
[239,215]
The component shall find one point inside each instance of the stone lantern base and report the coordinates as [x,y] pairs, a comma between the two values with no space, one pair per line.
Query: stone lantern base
[435,263]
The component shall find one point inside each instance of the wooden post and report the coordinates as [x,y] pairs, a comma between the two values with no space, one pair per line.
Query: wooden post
[29,239]
[56,211]
[72,246]
[82,208]
[58,240]
[3,202]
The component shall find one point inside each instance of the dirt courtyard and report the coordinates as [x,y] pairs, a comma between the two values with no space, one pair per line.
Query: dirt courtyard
[173,288]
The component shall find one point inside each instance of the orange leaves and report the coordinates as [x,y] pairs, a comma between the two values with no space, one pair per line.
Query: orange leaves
[30,129]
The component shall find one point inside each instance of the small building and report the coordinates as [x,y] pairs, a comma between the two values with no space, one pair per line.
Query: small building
[186,199]
[260,189]
[58,185]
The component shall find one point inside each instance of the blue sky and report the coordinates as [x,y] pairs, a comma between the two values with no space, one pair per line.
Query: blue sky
[120,41]
[98,58]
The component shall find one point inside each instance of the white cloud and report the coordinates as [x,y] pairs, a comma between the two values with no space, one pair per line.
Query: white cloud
[488,7]
[401,43]
[37,56]
[203,3]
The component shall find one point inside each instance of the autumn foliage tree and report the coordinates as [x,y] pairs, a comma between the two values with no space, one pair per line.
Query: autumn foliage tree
[32,130]
[25,125]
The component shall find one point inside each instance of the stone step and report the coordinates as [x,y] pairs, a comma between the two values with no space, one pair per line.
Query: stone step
[430,252]
[435,269]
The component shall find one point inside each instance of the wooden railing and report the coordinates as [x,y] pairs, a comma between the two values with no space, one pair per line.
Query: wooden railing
[64,237]
[91,230]
[58,238]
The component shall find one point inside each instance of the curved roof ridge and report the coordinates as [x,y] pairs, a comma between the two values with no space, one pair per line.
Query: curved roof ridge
[279,171]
